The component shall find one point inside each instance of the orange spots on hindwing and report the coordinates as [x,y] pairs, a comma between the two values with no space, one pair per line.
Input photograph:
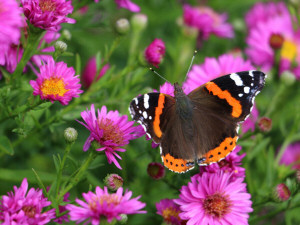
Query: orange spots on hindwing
[176,165]
[158,112]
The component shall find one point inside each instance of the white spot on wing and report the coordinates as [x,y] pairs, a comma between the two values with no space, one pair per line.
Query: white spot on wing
[136,101]
[251,73]
[240,95]
[236,78]
[246,90]
[145,115]
[150,117]
[146,101]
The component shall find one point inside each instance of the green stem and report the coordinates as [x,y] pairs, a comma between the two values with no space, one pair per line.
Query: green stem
[34,36]
[79,174]
[276,100]
[62,164]
[135,38]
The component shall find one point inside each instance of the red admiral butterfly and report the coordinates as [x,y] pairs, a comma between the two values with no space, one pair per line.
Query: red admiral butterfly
[200,127]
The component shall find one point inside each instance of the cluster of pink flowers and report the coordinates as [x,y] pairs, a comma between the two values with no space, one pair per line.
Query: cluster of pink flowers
[271,33]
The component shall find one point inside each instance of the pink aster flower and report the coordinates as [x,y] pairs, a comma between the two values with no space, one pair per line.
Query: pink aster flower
[48,14]
[10,56]
[262,12]
[213,199]
[56,82]
[90,71]
[291,156]
[102,205]
[231,164]
[127,4]
[22,207]
[110,130]
[155,52]
[207,22]
[261,45]
[169,210]
[10,22]
[250,122]
[215,67]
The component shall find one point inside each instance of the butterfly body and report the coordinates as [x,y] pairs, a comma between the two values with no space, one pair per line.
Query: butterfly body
[199,127]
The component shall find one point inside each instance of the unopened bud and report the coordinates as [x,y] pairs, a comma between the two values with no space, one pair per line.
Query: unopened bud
[113,181]
[122,26]
[139,22]
[66,35]
[156,170]
[60,46]
[282,192]
[265,124]
[70,134]
[124,218]
[287,78]
[276,41]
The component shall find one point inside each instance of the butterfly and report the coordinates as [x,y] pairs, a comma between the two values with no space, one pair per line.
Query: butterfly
[201,127]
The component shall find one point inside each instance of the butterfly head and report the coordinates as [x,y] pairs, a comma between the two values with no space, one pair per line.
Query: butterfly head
[178,92]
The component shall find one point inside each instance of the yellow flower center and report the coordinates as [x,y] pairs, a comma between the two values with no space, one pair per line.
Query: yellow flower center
[47,5]
[216,205]
[29,211]
[170,212]
[53,86]
[288,50]
[110,131]
[109,199]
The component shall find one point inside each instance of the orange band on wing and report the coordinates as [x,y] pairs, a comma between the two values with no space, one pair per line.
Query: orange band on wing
[158,112]
[176,165]
[236,105]
[220,152]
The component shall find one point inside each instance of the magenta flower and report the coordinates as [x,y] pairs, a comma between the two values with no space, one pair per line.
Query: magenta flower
[22,207]
[231,164]
[10,22]
[250,122]
[127,4]
[262,12]
[213,199]
[264,35]
[282,192]
[291,156]
[213,68]
[56,82]
[155,52]
[90,71]
[10,56]
[169,210]
[48,14]
[207,22]
[110,130]
[102,205]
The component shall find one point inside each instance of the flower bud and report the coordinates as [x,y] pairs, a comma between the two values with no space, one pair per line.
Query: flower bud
[156,170]
[122,26]
[66,35]
[287,77]
[60,46]
[265,124]
[139,22]
[70,134]
[113,181]
[282,192]
[155,52]
[124,218]
[276,41]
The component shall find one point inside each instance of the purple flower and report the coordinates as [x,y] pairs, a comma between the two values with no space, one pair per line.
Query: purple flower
[231,164]
[10,56]
[56,82]
[261,49]
[213,199]
[110,130]
[155,52]
[127,4]
[48,14]
[22,207]
[213,68]
[102,205]
[250,122]
[90,71]
[10,22]
[207,22]
[169,210]
[262,12]
[291,156]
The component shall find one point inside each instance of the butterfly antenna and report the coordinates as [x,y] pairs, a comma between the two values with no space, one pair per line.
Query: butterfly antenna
[195,52]
[158,74]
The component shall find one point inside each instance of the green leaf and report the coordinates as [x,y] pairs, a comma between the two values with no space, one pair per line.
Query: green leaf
[6,146]
[78,64]
[44,105]
[261,145]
